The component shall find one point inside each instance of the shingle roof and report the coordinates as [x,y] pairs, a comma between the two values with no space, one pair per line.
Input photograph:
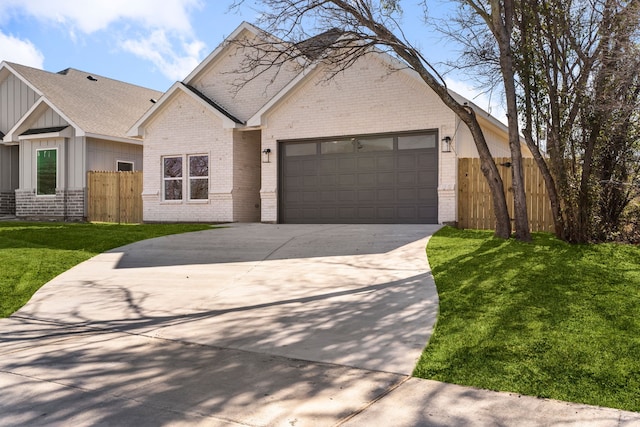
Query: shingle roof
[213,104]
[38,131]
[315,46]
[97,105]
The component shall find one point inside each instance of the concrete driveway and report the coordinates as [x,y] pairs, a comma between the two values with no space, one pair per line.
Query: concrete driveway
[209,314]
[252,325]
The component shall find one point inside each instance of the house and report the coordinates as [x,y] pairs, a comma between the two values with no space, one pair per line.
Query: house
[291,146]
[57,126]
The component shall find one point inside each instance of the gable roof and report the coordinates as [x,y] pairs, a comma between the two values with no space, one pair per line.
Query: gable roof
[137,129]
[312,49]
[213,104]
[322,42]
[315,46]
[200,68]
[96,105]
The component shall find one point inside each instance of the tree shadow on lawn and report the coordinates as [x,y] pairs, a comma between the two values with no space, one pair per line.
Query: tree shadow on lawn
[551,324]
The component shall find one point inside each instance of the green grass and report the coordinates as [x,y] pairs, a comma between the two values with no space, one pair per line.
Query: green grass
[34,253]
[545,319]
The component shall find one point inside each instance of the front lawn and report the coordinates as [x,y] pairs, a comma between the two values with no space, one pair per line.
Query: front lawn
[34,253]
[545,319]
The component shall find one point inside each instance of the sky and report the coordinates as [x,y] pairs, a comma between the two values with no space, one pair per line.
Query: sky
[154,43]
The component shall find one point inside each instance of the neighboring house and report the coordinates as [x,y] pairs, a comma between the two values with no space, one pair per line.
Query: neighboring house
[55,127]
[290,146]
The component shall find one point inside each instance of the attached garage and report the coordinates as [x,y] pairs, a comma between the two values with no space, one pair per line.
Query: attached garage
[390,178]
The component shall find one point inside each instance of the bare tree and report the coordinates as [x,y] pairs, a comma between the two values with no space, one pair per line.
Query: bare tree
[336,33]
[500,18]
[579,67]
[575,68]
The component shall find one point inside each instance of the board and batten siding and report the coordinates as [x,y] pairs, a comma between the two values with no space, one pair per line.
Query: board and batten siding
[28,161]
[15,100]
[49,118]
[9,177]
[104,155]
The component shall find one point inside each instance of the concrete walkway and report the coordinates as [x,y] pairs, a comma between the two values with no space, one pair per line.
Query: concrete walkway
[258,325]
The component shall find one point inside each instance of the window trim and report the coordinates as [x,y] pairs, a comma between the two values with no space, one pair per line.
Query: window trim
[165,179]
[129,162]
[185,179]
[189,177]
[37,174]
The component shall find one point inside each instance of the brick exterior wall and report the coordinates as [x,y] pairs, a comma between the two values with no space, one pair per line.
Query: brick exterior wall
[246,176]
[8,203]
[365,99]
[184,126]
[219,82]
[66,205]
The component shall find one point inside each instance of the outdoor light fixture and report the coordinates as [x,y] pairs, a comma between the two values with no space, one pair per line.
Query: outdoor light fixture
[446,144]
[265,157]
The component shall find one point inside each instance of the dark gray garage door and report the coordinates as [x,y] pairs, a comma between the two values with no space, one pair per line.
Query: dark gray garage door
[381,179]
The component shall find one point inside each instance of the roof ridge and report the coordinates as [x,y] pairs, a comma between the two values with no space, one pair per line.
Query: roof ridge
[68,70]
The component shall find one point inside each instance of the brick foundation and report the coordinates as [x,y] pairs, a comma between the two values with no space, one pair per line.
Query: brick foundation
[64,206]
[8,203]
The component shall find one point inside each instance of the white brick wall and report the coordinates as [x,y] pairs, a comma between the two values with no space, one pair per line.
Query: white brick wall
[246,176]
[221,79]
[366,98]
[183,127]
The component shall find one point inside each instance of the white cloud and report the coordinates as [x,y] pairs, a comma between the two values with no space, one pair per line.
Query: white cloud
[21,51]
[159,49]
[91,16]
[163,31]
[493,105]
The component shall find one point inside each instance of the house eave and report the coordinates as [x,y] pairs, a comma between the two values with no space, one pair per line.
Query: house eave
[138,128]
[14,133]
[63,133]
[134,141]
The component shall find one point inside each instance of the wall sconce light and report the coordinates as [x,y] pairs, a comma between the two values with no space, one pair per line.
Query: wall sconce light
[446,144]
[265,155]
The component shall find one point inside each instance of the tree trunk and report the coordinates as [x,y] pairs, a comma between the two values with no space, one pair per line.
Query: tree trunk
[487,164]
[501,24]
[527,73]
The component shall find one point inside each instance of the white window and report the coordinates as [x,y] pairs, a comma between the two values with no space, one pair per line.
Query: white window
[198,177]
[196,184]
[172,178]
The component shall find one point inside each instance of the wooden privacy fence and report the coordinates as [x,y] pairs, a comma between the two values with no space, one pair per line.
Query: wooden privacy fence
[475,207]
[114,197]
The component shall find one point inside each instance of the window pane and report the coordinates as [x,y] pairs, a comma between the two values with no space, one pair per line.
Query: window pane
[47,166]
[374,144]
[307,149]
[337,147]
[173,189]
[199,166]
[173,167]
[199,189]
[413,142]
[125,166]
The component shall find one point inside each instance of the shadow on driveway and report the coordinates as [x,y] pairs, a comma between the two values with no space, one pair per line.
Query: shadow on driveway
[221,327]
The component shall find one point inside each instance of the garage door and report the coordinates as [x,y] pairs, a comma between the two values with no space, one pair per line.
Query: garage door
[379,179]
